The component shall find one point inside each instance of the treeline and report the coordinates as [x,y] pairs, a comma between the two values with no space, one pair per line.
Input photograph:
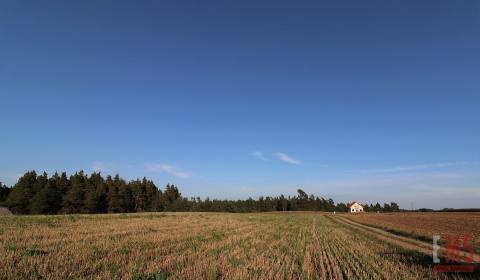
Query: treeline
[387,207]
[449,210]
[80,193]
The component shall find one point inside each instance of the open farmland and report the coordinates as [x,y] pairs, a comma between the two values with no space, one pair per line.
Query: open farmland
[203,246]
[423,225]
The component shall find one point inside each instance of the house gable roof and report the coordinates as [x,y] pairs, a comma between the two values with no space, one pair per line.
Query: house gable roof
[349,205]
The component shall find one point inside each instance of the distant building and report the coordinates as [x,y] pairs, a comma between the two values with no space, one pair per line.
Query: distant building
[355,207]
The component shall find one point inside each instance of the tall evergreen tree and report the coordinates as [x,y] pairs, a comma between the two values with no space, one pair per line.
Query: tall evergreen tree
[139,194]
[341,207]
[19,198]
[40,183]
[73,201]
[45,201]
[171,193]
[91,203]
[98,182]
[113,198]
[4,191]
[394,207]
[63,183]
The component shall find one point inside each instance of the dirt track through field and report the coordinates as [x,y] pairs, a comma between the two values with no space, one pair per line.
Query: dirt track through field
[271,246]
[402,241]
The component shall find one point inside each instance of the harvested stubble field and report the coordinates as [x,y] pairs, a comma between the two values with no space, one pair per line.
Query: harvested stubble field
[424,225]
[202,246]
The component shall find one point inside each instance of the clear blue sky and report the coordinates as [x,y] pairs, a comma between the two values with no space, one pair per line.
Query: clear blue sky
[364,100]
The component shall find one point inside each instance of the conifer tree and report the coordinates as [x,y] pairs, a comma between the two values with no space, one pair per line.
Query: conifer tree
[113,199]
[4,191]
[73,201]
[63,183]
[19,198]
[98,182]
[91,200]
[45,201]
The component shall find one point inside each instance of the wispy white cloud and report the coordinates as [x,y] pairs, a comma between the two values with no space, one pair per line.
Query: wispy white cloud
[288,159]
[423,189]
[165,168]
[448,175]
[260,156]
[414,167]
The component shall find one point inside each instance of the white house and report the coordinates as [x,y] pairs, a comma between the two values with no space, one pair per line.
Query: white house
[355,207]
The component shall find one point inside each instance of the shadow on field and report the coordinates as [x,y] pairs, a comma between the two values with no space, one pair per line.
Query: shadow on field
[413,258]
[410,257]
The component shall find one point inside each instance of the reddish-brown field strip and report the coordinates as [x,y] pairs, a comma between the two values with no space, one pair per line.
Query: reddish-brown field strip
[425,224]
[402,241]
